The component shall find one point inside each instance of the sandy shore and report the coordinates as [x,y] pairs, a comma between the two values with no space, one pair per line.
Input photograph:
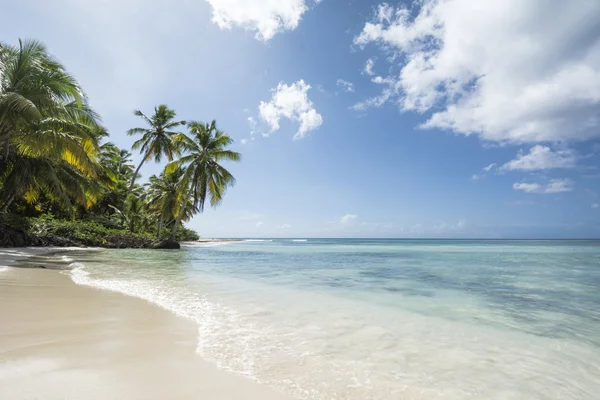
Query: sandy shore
[62,341]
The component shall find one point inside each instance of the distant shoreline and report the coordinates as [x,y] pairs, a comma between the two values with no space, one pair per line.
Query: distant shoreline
[213,240]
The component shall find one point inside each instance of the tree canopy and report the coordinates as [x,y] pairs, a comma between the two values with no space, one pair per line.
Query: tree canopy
[56,157]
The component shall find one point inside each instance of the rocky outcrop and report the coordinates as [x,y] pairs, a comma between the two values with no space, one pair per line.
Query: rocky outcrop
[127,242]
[165,244]
[12,237]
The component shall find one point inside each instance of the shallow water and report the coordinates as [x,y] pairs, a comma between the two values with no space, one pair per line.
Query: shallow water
[381,319]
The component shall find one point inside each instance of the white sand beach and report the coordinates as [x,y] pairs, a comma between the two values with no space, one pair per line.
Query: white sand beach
[62,341]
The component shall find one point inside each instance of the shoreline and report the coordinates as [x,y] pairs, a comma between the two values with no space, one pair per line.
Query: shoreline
[60,340]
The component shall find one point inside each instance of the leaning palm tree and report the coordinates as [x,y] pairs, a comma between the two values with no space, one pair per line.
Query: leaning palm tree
[204,178]
[157,138]
[48,133]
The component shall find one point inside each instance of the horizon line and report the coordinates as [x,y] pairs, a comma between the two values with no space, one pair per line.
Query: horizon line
[395,238]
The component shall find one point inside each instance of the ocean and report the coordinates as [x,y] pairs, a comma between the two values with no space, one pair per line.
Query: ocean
[381,318]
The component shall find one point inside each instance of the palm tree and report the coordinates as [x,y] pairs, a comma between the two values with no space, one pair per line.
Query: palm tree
[48,132]
[165,194]
[134,214]
[36,92]
[116,171]
[203,178]
[30,177]
[157,139]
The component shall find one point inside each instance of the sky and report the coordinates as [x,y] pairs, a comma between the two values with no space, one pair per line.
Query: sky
[450,118]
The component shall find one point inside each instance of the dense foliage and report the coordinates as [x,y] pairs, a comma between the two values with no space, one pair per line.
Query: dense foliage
[87,233]
[55,159]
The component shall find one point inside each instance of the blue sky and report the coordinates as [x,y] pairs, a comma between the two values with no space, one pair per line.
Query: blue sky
[358,118]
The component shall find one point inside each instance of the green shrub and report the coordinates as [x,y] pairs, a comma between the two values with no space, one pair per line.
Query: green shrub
[15,221]
[86,232]
[183,234]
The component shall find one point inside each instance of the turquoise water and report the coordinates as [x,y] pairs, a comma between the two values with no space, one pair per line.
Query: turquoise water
[381,319]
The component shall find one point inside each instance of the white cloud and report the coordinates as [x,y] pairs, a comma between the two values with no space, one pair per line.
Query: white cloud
[291,102]
[253,128]
[265,17]
[244,141]
[283,226]
[554,186]
[595,205]
[540,158]
[345,85]
[484,171]
[507,70]
[378,101]
[489,167]
[369,67]
[528,187]
[559,186]
[348,218]
[259,224]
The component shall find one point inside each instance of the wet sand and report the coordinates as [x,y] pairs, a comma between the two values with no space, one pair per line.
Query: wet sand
[62,341]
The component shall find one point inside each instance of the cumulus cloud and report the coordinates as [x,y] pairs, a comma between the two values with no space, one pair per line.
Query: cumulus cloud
[291,102]
[259,224]
[554,186]
[369,67]
[266,18]
[345,85]
[283,226]
[507,70]
[347,219]
[540,158]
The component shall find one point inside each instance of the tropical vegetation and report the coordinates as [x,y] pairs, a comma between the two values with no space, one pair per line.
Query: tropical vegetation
[59,169]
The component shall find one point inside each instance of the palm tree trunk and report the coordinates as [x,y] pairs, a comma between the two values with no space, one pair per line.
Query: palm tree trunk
[160,224]
[177,220]
[4,209]
[134,177]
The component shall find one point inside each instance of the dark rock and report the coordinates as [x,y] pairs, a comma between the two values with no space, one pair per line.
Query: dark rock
[19,241]
[35,241]
[12,237]
[165,244]
[127,242]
